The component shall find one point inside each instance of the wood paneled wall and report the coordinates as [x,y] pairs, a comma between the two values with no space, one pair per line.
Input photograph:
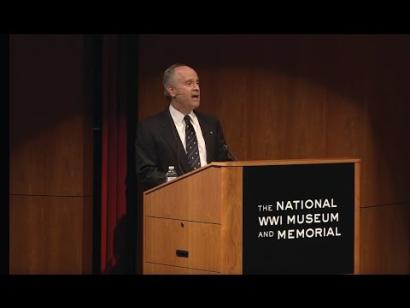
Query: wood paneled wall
[308,96]
[50,156]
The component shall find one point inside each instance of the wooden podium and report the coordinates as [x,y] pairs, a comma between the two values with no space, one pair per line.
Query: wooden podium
[255,217]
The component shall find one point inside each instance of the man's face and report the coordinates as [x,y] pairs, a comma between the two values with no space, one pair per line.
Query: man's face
[184,87]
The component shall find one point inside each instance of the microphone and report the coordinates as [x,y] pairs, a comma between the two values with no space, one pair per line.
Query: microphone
[225,147]
[228,153]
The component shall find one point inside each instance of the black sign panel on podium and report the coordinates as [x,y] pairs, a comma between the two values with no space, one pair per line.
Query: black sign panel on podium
[298,219]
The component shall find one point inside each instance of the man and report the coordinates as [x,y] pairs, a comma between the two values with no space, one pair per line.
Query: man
[178,136]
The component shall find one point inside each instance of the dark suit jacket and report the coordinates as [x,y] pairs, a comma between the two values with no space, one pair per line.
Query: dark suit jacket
[158,146]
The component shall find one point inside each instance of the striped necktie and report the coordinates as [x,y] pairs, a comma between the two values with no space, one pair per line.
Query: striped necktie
[191,144]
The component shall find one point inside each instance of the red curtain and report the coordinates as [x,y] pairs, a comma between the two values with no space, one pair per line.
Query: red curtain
[114,158]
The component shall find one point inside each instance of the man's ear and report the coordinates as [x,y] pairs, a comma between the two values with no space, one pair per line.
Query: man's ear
[171,91]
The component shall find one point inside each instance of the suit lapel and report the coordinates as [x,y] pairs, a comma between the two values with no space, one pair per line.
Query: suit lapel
[207,133]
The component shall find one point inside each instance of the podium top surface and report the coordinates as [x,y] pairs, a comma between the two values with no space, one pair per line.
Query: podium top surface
[259,163]
[283,162]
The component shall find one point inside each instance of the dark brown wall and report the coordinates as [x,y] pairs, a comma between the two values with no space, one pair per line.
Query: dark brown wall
[50,156]
[293,96]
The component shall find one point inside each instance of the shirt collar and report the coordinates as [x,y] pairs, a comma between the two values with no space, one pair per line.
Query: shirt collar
[179,116]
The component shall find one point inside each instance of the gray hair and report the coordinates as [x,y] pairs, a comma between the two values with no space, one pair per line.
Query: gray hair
[168,74]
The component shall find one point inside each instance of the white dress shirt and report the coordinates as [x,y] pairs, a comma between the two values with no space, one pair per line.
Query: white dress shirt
[178,118]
